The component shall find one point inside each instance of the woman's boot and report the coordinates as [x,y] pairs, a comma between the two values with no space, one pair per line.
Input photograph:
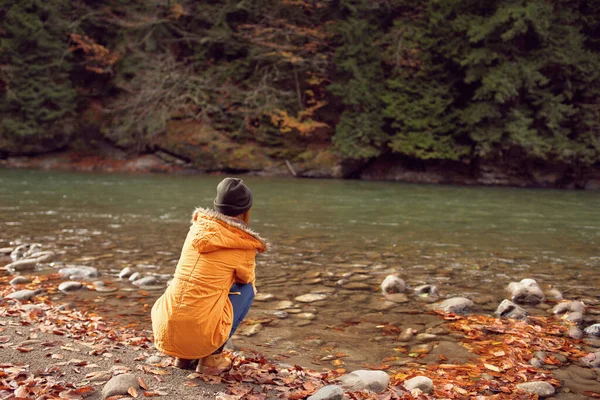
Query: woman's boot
[214,364]
[184,363]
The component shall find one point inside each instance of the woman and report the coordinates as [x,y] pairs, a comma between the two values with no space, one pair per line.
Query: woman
[213,285]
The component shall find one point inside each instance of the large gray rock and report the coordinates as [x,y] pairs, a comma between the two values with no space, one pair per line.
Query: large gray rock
[422,383]
[393,284]
[330,392]
[79,273]
[508,309]
[70,286]
[21,265]
[455,305]
[592,359]
[593,330]
[119,385]
[569,306]
[527,291]
[25,294]
[542,389]
[377,381]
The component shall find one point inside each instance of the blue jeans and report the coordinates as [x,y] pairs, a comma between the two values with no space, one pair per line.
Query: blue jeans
[241,305]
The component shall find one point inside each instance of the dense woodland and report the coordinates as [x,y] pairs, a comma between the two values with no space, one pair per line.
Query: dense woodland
[430,79]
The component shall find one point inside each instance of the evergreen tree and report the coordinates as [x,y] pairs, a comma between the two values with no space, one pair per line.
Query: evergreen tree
[38,100]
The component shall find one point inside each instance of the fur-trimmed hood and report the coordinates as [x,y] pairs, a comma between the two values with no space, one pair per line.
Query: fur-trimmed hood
[232,222]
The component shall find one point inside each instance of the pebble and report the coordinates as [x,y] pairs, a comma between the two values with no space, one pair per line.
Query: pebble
[396,297]
[153,360]
[330,392]
[25,294]
[308,316]
[21,265]
[407,335]
[44,256]
[455,305]
[264,296]
[593,330]
[281,314]
[357,286]
[377,381]
[302,323]
[19,280]
[574,316]
[575,333]
[146,281]
[6,250]
[101,287]
[508,309]
[592,359]
[119,385]
[249,330]
[79,273]
[135,276]
[423,383]
[426,337]
[70,286]
[311,297]
[569,306]
[426,290]
[284,304]
[542,389]
[392,284]
[421,348]
[126,272]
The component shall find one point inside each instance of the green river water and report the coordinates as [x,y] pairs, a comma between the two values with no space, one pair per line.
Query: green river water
[327,236]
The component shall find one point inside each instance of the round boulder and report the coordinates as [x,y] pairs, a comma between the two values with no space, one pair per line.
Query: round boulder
[376,381]
[527,291]
[542,389]
[423,383]
[455,305]
[393,284]
[119,385]
[330,392]
[508,309]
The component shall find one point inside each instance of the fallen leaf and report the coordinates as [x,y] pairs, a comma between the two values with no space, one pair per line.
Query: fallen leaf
[142,383]
[132,391]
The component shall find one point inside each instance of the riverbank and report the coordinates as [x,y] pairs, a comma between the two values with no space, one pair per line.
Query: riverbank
[317,163]
[71,350]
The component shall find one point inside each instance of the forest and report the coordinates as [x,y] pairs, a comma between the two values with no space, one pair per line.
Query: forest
[467,81]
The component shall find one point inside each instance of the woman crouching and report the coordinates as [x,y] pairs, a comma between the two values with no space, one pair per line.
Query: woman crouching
[213,285]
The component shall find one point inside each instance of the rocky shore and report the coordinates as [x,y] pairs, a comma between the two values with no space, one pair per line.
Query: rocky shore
[57,349]
[315,163]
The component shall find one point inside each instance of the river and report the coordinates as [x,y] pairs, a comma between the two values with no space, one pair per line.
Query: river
[340,238]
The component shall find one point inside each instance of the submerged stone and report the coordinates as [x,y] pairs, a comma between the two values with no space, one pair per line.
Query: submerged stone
[249,330]
[22,265]
[126,272]
[146,281]
[25,294]
[311,297]
[569,306]
[264,296]
[79,273]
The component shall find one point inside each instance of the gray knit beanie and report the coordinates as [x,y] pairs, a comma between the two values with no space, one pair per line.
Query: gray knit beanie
[233,197]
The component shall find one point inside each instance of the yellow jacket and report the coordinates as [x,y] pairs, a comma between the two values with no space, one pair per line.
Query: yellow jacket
[193,318]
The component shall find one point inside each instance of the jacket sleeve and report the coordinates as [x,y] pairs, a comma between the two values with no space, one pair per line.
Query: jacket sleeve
[245,272]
